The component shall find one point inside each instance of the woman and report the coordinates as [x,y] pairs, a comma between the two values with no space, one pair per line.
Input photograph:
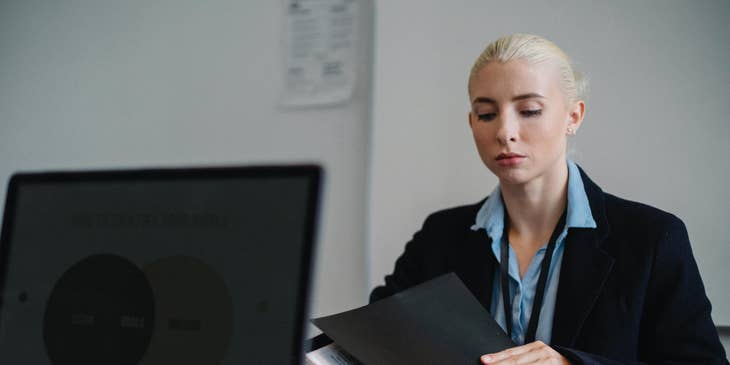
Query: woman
[573,274]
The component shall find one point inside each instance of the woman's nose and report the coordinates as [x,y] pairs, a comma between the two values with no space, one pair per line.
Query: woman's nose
[508,129]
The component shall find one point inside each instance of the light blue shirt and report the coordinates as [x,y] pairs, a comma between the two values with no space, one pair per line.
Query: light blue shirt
[522,291]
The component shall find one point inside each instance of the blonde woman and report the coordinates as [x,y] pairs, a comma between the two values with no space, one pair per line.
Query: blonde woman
[574,275]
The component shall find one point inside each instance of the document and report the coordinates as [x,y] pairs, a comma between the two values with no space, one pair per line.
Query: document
[330,355]
[437,322]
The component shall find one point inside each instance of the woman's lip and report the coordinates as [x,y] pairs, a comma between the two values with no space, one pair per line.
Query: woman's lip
[508,155]
[509,160]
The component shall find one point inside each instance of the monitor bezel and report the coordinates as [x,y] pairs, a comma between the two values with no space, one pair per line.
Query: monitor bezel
[314,173]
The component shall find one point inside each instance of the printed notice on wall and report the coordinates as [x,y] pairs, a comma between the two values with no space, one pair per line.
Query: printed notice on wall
[319,41]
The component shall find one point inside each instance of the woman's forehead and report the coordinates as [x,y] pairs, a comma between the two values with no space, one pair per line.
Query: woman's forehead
[498,81]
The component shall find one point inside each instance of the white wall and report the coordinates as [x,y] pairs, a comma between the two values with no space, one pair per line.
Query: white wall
[656,129]
[102,84]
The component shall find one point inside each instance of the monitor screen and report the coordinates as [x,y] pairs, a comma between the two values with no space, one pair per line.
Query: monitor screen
[206,266]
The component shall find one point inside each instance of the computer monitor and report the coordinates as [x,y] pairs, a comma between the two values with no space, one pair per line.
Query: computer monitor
[166,266]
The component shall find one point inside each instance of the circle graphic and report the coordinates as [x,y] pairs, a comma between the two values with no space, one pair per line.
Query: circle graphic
[101,311]
[193,311]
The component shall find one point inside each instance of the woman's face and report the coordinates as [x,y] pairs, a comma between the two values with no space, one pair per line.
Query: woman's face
[520,118]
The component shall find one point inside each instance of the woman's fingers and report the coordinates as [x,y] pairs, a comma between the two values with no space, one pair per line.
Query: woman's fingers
[534,353]
[515,350]
[491,358]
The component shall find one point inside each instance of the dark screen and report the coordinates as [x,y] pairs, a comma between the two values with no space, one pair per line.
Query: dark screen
[156,271]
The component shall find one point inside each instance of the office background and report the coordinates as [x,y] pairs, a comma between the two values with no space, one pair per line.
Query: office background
[101,84]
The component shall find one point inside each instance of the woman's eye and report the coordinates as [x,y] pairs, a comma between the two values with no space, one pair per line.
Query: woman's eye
[531,113]
[487,116]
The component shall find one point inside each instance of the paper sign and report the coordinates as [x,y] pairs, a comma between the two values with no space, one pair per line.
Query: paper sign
[319,43]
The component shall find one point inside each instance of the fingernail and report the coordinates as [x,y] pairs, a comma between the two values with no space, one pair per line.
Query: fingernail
[486,358]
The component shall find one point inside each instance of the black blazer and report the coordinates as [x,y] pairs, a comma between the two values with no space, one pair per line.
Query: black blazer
[629,290]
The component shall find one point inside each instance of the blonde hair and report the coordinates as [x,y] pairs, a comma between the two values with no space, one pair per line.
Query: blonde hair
[534,49]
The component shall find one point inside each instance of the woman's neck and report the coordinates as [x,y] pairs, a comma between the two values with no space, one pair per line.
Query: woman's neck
[534,208]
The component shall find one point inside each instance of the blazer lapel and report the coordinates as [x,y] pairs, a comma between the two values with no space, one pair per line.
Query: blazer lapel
[475,265]
[583,274]
[584,271]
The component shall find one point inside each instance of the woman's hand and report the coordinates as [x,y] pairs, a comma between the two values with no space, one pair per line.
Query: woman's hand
[533,353]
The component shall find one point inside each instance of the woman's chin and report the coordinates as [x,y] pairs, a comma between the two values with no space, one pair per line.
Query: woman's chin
[511,176]
[512,180]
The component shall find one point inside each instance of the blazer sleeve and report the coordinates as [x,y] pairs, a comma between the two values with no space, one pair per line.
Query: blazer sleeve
[676,324]
[419,262]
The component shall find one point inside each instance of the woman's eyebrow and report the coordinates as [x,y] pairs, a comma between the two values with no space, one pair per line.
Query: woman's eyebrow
[528,96]
[484,99]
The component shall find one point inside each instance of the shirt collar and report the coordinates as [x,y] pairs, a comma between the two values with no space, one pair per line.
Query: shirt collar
[491,215]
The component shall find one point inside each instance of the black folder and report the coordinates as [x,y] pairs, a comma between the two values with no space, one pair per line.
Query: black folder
[437,322]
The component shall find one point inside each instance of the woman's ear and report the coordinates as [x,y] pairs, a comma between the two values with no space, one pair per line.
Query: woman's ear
[470,117]
[575,116]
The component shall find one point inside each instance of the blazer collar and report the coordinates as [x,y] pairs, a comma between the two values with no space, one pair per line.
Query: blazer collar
[583,274]
[584,271]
